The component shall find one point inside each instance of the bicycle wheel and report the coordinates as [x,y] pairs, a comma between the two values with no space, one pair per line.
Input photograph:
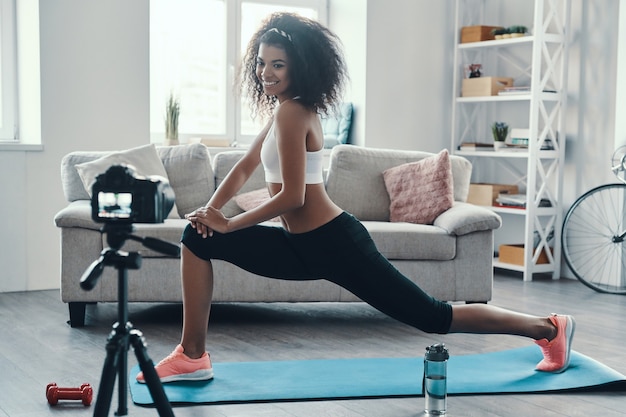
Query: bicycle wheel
[593,237]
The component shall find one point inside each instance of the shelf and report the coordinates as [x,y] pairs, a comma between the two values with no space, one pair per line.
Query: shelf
[540,62]
[507,154]
[512,97]
[539,268]
[498,43]
[539,211]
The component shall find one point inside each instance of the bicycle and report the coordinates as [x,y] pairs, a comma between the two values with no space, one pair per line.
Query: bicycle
[593,239]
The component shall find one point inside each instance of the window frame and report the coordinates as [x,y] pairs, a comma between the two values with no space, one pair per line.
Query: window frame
[233,104]
[8,72]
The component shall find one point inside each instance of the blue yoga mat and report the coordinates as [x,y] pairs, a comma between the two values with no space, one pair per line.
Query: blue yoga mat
[510,371]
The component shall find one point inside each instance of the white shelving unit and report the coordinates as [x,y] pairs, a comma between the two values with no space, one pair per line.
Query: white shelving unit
[538,60]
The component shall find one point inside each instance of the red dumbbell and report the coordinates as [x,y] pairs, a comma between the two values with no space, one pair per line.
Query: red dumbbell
[54,393]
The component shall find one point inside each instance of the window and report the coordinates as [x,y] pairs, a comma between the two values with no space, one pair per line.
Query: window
[195,49]
[8,80]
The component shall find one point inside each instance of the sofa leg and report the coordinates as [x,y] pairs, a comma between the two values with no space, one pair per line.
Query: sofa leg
[77,314]
[476,302]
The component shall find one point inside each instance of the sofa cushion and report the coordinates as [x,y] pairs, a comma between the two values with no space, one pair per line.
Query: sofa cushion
[412,241]
[144,159]
[253,199]
[223,163]
[355,178]
[190,172]
[192,181]
[420,191]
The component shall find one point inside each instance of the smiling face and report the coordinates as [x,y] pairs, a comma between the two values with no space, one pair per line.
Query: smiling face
[272,70]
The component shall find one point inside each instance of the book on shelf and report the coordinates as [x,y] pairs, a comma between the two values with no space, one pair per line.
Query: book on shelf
[520,90]
[510,147]
[514,90]
[475,146]
[517,201]
[511,200]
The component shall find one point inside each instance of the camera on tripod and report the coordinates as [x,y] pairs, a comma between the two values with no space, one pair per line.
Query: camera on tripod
[120,196]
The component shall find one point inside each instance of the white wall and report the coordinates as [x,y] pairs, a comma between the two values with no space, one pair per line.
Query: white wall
[94,95]
[409,74]
[591,117]
[620,100]
[95,87]
[350,24]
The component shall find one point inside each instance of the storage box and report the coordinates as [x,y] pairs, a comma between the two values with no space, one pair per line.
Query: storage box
[477,33]
[514,254]
[486,194]
[484,86]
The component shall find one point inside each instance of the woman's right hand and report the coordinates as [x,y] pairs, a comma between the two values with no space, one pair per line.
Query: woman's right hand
[201,229]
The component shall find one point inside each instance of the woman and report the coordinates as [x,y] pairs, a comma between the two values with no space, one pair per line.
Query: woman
[293,70]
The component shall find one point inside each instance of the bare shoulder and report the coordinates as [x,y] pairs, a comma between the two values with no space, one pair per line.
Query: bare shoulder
[293,110]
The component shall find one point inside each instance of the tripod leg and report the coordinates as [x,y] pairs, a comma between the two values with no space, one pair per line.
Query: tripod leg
[109,371]
[152,379]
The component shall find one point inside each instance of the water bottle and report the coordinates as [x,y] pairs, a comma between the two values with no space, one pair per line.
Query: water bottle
[435,379]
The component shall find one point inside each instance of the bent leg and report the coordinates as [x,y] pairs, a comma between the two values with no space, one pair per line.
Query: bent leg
[197,285]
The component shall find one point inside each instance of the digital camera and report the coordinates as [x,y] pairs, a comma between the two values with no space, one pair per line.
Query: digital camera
[120,196]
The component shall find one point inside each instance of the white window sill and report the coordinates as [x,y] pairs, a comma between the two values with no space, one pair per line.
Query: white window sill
[22,147]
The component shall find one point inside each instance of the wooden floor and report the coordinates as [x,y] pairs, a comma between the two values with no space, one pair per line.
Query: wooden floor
[38,347]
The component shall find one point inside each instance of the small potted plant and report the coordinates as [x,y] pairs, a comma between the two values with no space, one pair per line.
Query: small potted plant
[517,31]
[500,131]
[499,33]
[172,111]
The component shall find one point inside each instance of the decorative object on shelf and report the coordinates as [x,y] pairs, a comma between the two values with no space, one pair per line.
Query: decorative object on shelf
[510,32]
[514,254]
[500,131]
[514,90]
[484,86]
[498,33]
[477,33]
[474,70]
[486,194]
[517,31]
[172,111]
[519,137]
[475,146]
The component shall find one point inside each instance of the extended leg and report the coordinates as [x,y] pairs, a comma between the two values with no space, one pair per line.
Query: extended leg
[484,318]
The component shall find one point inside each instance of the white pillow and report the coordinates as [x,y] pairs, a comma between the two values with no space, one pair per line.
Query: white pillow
[144,159]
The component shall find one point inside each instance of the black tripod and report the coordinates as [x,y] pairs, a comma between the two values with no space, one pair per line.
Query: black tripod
[123,334]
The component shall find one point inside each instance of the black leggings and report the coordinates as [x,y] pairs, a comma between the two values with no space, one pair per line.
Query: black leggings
[341,251]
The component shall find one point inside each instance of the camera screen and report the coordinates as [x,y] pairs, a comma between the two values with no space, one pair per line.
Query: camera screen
[114,205]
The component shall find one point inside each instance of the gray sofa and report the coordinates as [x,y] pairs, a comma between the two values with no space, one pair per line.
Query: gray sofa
[451,259]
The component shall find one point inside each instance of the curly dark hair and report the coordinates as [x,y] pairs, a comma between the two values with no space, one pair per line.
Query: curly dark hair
[317,68]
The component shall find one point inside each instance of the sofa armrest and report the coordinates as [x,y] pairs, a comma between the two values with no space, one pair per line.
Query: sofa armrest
[77,214]
[464,218]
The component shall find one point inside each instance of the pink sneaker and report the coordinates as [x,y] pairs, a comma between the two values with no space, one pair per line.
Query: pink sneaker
[180,367]
[556,352]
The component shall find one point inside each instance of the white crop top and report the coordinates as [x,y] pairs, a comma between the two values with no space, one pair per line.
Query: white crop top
[269,159]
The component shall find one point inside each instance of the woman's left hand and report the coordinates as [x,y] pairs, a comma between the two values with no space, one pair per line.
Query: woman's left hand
[210,217]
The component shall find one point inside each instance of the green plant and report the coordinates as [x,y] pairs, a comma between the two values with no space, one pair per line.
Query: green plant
[517,29]
[172,111]
[499,31]
[500,131]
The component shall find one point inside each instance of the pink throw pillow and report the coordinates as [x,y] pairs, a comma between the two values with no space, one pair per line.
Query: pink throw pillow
[420,191]
[252,199]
